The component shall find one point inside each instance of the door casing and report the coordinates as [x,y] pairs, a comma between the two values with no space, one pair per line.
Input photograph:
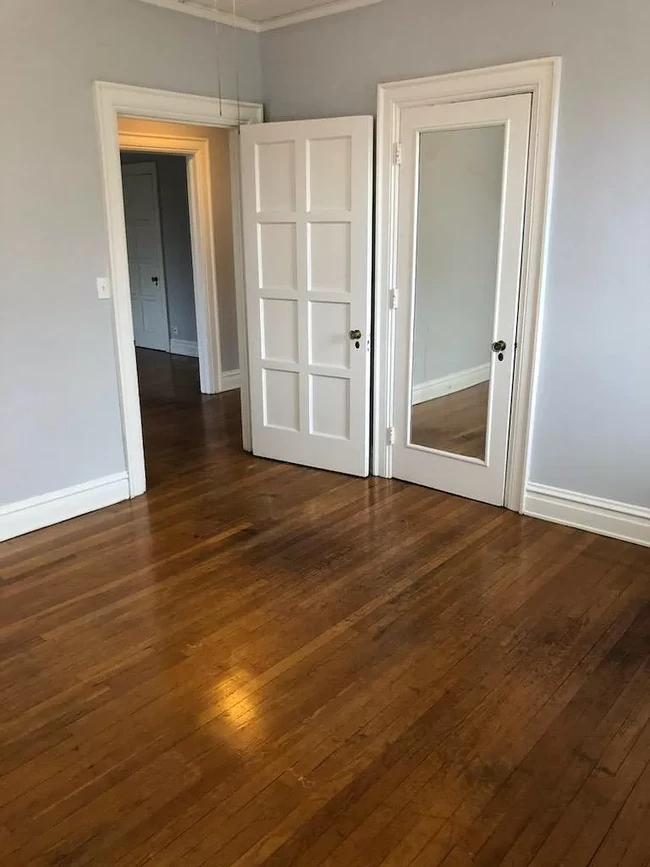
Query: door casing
[540,78]
[206,295]
[111,102]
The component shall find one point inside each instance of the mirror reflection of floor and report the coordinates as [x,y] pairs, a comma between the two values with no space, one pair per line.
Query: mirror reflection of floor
[455,423]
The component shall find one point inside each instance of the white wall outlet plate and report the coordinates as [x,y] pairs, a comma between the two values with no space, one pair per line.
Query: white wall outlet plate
[103,287]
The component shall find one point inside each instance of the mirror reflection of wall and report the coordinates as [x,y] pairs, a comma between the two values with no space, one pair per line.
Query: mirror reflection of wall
[459,213]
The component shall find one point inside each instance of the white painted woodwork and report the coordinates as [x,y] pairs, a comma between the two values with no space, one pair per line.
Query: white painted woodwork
[542,79]
[306,202]
[261,15]
[145,251]
[469,477]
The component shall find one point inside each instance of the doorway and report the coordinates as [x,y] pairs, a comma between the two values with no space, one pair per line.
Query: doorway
[192,175]
[165,250]
[156,211]
[159,244]
[116,104]
[465,169]
[460,219]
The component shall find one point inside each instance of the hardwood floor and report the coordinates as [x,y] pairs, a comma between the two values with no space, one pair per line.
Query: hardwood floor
[455,423]
[265,664]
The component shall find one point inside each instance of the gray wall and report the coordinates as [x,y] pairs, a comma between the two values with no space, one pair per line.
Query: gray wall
[459,210]
[58,385]
[176,239]
[592,432]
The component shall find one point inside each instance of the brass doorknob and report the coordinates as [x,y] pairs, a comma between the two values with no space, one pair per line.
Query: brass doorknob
[499,346]
[355,334]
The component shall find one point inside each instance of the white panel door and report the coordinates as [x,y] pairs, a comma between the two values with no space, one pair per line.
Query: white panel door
[146,268]
[306,193]
[459,241]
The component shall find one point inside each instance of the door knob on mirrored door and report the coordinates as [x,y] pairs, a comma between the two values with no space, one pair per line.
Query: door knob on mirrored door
[499,346]
[355,334]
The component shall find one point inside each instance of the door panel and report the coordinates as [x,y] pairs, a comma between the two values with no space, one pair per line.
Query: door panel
[306,192]
[144,244]
[461,211]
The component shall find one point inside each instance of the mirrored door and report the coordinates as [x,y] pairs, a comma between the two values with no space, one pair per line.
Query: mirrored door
[461,210]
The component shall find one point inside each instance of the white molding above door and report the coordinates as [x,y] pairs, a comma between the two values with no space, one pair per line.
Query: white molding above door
[541,78]
[111,102]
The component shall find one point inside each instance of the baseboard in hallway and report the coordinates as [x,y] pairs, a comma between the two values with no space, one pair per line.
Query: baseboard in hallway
[184,347]
[230,379]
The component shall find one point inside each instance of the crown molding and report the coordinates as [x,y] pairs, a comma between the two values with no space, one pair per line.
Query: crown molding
[210,14]
[317,12]
[226,18]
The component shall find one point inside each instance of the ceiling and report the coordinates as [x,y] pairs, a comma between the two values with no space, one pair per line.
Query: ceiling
[261,15]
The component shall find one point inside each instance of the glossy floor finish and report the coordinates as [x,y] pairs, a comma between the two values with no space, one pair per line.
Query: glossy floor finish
[455,423]
[265,664]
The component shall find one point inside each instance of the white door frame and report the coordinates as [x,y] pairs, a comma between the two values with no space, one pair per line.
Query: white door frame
[202,240]
[541,78]
[119,100]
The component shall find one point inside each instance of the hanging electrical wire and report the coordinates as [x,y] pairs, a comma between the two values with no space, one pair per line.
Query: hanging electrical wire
[217,31]
[236,53]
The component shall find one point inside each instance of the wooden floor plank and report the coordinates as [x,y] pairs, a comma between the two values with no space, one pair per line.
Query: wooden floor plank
[258,663]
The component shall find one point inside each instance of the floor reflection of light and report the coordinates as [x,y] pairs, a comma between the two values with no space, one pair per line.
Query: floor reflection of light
[233,700]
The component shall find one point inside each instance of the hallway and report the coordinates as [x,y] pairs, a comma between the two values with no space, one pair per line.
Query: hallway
[262,663]
[184,430]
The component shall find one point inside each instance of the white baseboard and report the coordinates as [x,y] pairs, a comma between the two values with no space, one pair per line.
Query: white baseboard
[37,512]
[449,384]
[605,517]
[184,347]
[230,379]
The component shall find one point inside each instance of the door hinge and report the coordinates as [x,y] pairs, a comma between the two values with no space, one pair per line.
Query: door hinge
[390,436]
[394,299]
[397,153]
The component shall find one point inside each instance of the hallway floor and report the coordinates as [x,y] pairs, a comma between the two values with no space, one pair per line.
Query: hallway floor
[258,663]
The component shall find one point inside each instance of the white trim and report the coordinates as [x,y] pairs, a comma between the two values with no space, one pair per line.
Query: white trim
[541,78]
[204,269]
[243,23]
[111,101]
[595,514]
[315,12]
[37,512]
[230,380]
[450,384]
[240,294]
[186,347]
[190,8]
